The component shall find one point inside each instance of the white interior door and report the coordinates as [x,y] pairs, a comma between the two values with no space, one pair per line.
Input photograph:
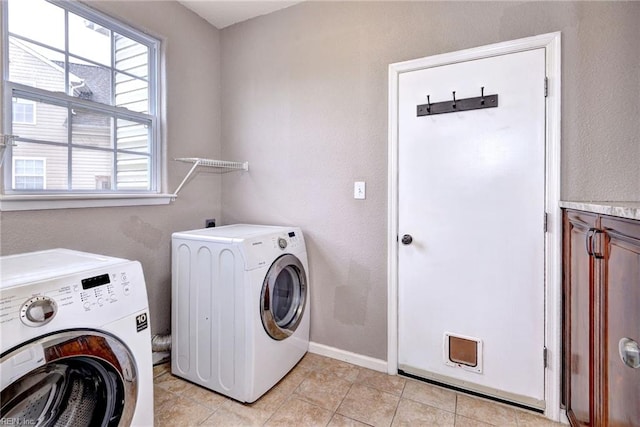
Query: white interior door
[471,193]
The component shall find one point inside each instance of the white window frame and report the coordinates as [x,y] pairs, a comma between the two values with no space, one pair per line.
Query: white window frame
[25,102]
[44,169]
[21,200]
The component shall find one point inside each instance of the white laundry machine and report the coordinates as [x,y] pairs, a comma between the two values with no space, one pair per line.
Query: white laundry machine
[240,307]
[76,346]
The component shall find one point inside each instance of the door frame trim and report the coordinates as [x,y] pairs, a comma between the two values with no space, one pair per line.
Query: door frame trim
[553,241]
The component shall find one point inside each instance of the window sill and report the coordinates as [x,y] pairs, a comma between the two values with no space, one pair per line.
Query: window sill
[72,201]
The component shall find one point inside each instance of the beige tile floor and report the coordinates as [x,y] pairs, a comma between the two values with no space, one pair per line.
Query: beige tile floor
[321,391]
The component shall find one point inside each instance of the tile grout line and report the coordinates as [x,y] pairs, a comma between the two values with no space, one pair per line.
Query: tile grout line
[194,401]
[395,412]
[455,409]
[182,394]
[342,401]
[291,394]
[334,412]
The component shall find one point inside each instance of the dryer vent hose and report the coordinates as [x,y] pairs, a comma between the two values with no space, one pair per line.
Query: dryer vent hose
[161,343]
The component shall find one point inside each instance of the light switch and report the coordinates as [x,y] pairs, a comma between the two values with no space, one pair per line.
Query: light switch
[359,191]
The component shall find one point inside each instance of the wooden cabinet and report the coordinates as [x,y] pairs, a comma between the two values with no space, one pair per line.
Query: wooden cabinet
[579,307]
[621,306]
[601,319]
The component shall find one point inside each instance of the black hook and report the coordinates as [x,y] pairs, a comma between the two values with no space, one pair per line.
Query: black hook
[482,95]
[428,104]
[454,99]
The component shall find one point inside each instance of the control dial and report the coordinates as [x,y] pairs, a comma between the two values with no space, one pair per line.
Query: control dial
[38,311]
[282,243]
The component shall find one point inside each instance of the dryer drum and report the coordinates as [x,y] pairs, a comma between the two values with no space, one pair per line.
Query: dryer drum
[283,297]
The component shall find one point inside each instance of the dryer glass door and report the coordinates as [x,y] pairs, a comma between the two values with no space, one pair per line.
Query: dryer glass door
[283,297]
[83,379]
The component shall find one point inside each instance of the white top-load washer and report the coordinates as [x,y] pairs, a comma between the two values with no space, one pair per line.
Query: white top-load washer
[240,307]
[76,346]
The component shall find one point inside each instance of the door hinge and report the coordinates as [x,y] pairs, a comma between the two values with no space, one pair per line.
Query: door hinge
[545,226]
[546,87]
[545,358]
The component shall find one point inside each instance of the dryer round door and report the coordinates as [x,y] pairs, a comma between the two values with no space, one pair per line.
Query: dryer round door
[283,297]
[72,378]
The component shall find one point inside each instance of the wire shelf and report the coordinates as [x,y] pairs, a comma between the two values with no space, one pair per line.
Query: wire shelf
[225,165]
[222,164]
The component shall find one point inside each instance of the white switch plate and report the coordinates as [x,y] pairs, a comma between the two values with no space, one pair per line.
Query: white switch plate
[359,190]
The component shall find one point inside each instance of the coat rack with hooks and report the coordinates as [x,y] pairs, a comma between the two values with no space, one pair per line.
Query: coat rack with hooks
[223,165]
[455,105]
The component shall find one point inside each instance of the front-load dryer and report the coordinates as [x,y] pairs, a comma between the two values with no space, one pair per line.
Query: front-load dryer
[76,346]
[240,307]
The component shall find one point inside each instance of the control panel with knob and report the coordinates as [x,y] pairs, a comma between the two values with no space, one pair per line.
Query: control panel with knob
[289,240]
[89,298]
[38,311]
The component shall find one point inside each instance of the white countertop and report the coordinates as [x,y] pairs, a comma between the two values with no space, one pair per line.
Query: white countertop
[630,210]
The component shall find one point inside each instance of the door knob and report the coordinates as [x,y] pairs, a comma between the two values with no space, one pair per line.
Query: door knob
[629,352]
[406,239]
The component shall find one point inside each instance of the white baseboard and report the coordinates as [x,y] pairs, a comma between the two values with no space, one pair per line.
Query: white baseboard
[347,356]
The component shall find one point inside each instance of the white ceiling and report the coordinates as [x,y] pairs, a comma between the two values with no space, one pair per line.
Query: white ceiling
[222,13]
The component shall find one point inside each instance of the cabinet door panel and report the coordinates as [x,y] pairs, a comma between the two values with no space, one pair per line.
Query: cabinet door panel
[579,332]
[622,304]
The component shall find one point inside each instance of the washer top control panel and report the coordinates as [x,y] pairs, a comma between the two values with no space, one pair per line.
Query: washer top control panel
[89,299]
[287,240]
[257,245]
[262,251]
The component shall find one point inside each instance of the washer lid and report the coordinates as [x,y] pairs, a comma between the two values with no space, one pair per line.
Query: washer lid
[231,233]
[35,266]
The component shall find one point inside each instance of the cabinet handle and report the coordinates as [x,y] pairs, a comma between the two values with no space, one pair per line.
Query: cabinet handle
[589,241]
[597,242]
[629,352]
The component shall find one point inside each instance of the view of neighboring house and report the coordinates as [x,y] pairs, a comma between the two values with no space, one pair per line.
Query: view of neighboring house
[73,148]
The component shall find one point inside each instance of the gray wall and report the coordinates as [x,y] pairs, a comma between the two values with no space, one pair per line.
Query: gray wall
[304,100]
[192,78]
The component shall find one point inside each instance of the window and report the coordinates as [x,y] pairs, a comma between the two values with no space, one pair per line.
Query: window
[29,173]
[93,82]
[24,111]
